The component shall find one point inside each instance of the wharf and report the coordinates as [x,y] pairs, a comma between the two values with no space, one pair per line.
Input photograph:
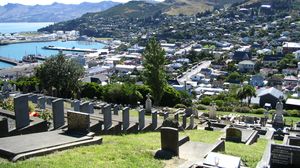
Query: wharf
[9,60]
[70,49]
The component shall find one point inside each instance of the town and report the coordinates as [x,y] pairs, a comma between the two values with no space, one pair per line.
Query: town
[231,74]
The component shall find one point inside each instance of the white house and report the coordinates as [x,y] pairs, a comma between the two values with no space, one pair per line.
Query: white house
[297,54]
[246,66]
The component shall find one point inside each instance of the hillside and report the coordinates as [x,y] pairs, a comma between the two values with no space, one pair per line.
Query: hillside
[55,12]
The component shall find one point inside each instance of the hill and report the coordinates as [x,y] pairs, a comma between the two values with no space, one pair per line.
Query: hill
[55,12]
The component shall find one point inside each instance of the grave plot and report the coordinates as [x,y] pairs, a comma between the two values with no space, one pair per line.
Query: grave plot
[24,146]
[239,135]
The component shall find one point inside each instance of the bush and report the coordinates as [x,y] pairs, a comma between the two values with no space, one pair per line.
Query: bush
[180,106]
[259,111]
[91,90]
[206,100]
[293,113]
[31,107]
[201,107]
[225,108]
[219,103]
[170,98]
[8,104]
[255,106]
[170,122]
[242,110]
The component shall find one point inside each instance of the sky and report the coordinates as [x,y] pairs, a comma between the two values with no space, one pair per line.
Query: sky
[47,2]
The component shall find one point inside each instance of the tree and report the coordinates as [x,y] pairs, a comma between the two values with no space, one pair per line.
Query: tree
[246,91]
[154,69]
[60,74]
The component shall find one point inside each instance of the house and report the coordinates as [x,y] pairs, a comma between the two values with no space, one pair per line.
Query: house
[290,81]
[289,71]
[257,81]
[246,66]
[292,104]
[267,71]
[197,77]
[270,95]
[240,55]
[272,59]
[275,81]
[297,55]
[290,47]
[206,71]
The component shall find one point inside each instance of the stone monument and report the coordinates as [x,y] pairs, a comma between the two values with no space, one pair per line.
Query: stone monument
[213,113]
[148,104]
[278,121]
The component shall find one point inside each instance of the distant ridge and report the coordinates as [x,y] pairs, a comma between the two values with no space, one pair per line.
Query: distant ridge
[55,12]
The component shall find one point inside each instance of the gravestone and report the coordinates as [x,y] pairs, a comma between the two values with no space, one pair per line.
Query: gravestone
[42,103]
[3,127]
[87,107]
[166,115]
[183,121]
[188,111]
[148,104]
[295,141]
[125,117]
[154,120]
[233,134]
[209,128]
[141,119]
[78,121]
[191,121]
[176,116]
[249,119]
[169,140]
[212,112]
[106,110]
[49,100]
[284,156]
[21,111]
[58,113]
[76,105]
[278,121]
[116,109]
[34,98]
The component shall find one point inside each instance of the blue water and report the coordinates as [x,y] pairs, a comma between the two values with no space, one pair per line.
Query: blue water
[22,27]
[17,51]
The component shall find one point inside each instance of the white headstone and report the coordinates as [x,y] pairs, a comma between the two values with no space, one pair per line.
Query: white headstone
[148,103]
[213,113]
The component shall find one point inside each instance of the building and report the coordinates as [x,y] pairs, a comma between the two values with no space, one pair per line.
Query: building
[290,47]
[246,66]
[270,95]
[257,81]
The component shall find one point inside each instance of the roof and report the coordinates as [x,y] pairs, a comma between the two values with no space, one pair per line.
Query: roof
[246,62]
[291,45]
[272,91]
[295,102]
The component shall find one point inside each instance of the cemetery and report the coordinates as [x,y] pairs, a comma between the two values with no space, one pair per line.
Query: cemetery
[162,137]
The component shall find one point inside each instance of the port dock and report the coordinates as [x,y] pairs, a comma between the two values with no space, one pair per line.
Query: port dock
[70,49]
[9,60]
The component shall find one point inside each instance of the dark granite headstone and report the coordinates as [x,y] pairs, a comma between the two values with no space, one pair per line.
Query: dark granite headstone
[295,141]
[21,111]
[79,122]
[249,120]
[3,127]
[169,140]
[233,134]
[284,156]
[58,113]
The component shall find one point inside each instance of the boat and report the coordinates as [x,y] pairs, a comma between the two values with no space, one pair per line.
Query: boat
[29,58]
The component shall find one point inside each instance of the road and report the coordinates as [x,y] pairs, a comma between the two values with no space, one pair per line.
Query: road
[196,69]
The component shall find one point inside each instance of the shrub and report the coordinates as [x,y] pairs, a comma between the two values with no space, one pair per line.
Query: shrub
[91,90]
[31,107]
[293,113]
[219,103]
[170,98]
[259,111]
[201,107]
[180,106]
[242,109]
[170,122]
[206,100]
[255,106]
[8,104]
[225,108]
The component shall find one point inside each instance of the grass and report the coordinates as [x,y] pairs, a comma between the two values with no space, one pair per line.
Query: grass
[135,150]
[250,154]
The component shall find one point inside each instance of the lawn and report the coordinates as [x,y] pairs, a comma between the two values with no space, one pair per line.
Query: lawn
[135,150]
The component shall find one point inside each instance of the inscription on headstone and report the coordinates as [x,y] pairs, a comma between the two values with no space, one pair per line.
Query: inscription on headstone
[233,134]
[284,156]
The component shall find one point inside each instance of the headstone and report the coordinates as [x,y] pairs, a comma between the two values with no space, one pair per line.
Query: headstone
[14,87]
[106,110]
[188,112]
[49,100]
[42,102]
[169,140]
[58,113]
[284,156]
[166,115]
[21,111]
[295,141]
[141,119]
[209,128]
[78,121]
[3,127]
[249,120]
[116,109]
[34,98]
[148,104]
[154,119]
[176,116]
[213,113]
[233,134]
[183,121]
[87,107]
[192,121]
[125,117]
[76,105]
[278,121]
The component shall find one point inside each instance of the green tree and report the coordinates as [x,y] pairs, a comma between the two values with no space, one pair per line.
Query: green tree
[246,91]
[154,69]
[60,74]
